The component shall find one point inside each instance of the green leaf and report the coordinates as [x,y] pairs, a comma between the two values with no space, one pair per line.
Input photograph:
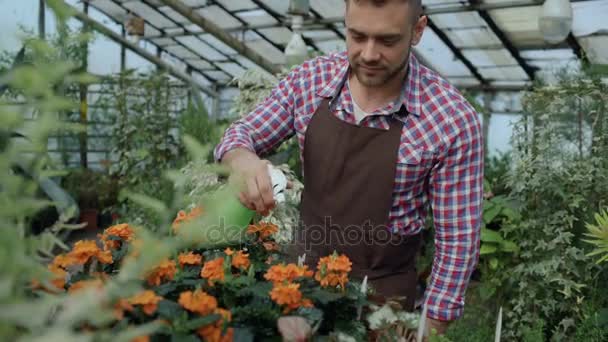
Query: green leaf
[602,317]
[199,322]
[487,249]
[490,212]
[166,288]
[261,289]
[488,235]
[169,310]
[147,202]
[509,246]
[486,291]
[243,335]
[494,263]
[323,296]
[178,337]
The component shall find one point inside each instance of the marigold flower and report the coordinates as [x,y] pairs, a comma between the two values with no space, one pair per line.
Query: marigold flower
[147,299]
[213,271]
[241,260]
[213,332]
[123,231]
[264,229]
[286,273]
[183,217]
[144,338]
[58,281]
[289,296]
[85,284]
[163,272]
[198,302]
[84,250]
[64,261]
[120,307]
[333,270]
[270,246]
[189,258]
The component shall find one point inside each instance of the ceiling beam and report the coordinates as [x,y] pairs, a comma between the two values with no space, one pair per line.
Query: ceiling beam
[499,33]
[456,51]
[222,35]
[99,27]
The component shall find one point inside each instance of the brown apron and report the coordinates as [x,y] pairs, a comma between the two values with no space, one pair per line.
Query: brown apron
[349,175]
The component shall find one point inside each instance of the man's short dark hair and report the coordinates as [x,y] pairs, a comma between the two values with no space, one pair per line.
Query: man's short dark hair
[416,4]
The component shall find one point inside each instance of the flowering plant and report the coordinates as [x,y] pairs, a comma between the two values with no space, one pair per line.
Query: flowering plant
[238,292]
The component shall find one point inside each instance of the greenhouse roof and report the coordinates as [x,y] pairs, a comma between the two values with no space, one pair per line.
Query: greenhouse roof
[489,44]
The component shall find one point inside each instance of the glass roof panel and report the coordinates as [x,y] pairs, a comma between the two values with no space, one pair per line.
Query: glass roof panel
[202,48]
[473,37]
[439,56]
[219,17]
[489,57]
[232,68]
[596,48]
[257,17]
[218,44]
[149,13]
[280,35]
[328,8]
[237,5]
[503,73]
[590,17]
[109,7]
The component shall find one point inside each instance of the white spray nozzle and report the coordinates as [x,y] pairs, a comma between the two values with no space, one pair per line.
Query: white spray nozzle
[279,183]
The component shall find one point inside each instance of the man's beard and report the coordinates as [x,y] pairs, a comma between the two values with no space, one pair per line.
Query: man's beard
[380,76]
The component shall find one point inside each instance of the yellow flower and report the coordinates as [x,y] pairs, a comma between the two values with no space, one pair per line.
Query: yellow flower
[147,299]
[213,271]
[189,258]
[198,302]
[163,272]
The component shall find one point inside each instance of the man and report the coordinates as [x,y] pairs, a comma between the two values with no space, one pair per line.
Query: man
[381,136]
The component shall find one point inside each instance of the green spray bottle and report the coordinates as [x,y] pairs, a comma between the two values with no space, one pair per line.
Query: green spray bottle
[229,218]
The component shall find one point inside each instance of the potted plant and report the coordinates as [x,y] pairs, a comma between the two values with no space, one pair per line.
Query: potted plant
[83,184]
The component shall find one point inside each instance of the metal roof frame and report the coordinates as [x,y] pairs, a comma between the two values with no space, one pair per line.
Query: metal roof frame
[249,42]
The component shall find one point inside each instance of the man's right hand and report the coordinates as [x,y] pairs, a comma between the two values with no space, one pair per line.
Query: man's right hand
[251,175]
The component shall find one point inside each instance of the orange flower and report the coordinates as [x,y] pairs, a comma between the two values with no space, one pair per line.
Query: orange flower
[85,284]
[289,296]
[228,251]
[58,281]
[147,299]
[84,250]
[333,270]
[120,307]
[264,229]
[163,272]
[286,273]
[183,217]
[198,302]
[241,260]
[189,258]
[63,261]
[213,332]
[270,246]
[144,338]
[123,231]
[213,270]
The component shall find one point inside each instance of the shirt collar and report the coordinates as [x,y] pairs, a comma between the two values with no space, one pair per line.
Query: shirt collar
[410,93]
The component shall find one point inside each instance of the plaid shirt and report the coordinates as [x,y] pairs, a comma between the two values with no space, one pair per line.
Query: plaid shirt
[440,159]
